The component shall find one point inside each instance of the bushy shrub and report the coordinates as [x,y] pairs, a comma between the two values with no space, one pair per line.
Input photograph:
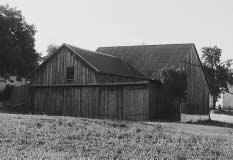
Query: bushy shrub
[5,95]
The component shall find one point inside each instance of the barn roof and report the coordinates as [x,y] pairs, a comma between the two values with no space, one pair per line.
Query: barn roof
[106,63]
[100,62]
[149,59]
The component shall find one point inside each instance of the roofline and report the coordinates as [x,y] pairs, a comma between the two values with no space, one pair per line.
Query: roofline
[94,51]
[91,84]
[148,45]
[164,45]
[207,82]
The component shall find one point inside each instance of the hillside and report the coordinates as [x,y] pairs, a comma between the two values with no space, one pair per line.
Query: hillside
[54,137]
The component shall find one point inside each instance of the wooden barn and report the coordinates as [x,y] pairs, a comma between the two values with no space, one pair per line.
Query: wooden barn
[116,82]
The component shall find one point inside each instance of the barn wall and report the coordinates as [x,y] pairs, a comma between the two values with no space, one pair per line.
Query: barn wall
[129,102]
[198,91]
[19,96]
[54,71]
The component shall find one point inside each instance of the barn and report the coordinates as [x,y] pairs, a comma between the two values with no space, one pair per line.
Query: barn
[116,82]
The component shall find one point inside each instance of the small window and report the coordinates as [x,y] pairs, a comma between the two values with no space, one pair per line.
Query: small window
[70,73]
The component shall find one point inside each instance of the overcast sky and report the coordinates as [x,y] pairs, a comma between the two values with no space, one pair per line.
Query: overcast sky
[92,23]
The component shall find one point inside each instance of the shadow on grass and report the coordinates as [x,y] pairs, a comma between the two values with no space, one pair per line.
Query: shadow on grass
[212,123]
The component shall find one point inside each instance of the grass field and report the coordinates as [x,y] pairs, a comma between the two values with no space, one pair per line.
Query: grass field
[50,137]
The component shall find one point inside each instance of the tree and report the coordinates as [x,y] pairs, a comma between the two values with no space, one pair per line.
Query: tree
[51,49]
[218,73]
[17,54]
[174,86]
[175,83]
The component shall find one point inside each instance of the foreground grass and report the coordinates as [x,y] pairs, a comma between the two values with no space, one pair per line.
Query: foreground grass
[48,137]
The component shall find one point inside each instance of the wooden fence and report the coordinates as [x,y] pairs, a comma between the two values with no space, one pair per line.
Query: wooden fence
[19,96]
[115,101]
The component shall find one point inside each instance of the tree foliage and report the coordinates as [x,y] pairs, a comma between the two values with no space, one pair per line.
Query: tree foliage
[17,54]
[51,49]
[218,73]
[175,83]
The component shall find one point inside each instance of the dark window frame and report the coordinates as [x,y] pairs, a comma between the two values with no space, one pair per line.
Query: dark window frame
[69,74]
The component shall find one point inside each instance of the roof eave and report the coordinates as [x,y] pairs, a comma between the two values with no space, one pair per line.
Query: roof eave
[121,75]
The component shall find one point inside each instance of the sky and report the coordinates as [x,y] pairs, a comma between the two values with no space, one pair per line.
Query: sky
[90,23]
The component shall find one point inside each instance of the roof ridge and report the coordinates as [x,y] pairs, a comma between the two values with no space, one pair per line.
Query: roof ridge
[149,45]
[107,55]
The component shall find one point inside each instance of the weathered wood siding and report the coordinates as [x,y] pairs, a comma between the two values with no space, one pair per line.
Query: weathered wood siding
[19,96]
[54,71]
[198,91]
[123,101]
